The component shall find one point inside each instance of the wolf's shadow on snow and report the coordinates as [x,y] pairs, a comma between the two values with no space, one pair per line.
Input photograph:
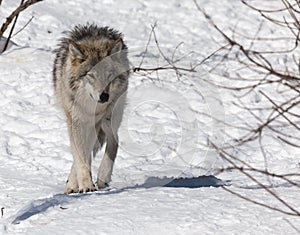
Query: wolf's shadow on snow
[41,205]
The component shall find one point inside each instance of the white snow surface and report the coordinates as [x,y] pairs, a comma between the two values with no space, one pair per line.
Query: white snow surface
[160,136]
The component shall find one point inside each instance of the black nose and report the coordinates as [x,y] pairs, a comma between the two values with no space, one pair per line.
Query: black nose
[104,97]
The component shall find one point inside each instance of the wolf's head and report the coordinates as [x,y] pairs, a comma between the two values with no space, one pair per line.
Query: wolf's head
[100,68]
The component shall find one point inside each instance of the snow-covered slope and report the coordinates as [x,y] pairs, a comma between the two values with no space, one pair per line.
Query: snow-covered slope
[160,137]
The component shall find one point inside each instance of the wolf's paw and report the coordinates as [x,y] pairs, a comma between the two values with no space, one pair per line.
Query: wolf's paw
[87,189]
[81,190]
[101,184]
[72,186]
[87,186]
[71,190]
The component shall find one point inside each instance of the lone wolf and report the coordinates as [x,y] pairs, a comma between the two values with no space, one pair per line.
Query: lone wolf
[90,79]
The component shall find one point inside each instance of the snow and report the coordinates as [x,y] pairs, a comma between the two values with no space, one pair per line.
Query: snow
[160,138]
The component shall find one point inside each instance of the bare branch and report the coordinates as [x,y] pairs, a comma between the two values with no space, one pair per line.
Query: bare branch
[278,86]
[15,14]
[11,30]
[20,30]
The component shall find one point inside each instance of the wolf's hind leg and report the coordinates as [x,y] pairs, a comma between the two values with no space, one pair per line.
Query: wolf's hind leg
[99,141]
[107,163]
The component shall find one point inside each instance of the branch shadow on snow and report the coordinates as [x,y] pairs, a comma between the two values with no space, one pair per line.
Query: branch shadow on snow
[41,205]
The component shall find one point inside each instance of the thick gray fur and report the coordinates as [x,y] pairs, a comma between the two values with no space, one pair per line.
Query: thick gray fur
[90,62]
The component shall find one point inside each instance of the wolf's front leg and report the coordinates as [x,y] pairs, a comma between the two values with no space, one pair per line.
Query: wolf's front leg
[107,163]
[72,184]
[81,168]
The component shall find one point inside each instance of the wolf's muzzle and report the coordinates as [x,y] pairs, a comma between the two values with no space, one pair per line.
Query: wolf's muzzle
[104,97]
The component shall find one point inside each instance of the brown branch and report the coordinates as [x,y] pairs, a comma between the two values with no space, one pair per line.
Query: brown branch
[281,111]
[278,116]
[263,172]
[255,57]
[12,29]
[266,10]
[229,158]
[288,142]
[170,62]
[293,226]
[147,45]
[259,203]
[138,69]
[15,13]
[19,31]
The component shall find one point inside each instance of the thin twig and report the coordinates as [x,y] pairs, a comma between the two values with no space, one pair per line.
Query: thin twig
[16,12]
[147,45]
[293,226]
[12,29]
[259,203]
[19,31]
[170,63]
[138,69]
[229,158]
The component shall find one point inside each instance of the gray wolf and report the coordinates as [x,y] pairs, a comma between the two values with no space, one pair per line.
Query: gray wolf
[90,77]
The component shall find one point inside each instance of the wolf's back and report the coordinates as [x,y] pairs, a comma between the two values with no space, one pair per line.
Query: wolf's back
[93,32]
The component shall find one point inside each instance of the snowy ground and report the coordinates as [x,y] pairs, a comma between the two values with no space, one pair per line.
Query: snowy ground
[160,135]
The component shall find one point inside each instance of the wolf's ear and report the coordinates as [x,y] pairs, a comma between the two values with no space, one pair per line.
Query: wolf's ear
[117,48]
[75,51]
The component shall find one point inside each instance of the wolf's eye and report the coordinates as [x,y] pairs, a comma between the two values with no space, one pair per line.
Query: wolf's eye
[82,75]
[80,60]
[86,76]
